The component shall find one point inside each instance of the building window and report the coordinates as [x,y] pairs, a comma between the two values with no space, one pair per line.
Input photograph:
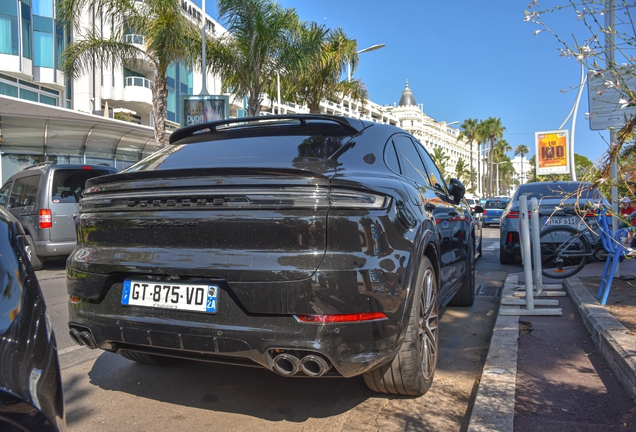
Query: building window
[48,100]
[27,50]
[28,95]
[43,52]
[59,44]
[9,27]
[8,89]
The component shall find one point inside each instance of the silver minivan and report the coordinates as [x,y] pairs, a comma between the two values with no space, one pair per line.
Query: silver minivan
[45,199]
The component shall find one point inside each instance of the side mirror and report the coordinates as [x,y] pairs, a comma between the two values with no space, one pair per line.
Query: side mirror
[457,190]
[478,209]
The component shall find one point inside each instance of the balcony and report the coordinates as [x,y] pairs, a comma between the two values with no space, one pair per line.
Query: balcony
[137,94]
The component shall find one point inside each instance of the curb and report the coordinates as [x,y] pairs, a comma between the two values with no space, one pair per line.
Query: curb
[494,407]
[611,337]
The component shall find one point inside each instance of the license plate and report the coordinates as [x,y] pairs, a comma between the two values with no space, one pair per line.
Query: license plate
[164,295]
[573,221]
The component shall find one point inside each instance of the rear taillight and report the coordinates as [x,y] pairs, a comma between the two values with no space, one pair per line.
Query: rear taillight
[342,318]
[87,167]
[590,213]
[350,199]
[46,220]
[513,215]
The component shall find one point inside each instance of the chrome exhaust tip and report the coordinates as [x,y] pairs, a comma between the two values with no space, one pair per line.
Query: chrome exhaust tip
[286,364]
[314,366]
[88,340]
[75,337]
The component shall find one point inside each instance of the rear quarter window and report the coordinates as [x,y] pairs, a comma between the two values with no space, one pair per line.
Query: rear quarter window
[68,184]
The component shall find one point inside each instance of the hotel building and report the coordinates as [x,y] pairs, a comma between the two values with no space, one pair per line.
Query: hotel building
[105,115]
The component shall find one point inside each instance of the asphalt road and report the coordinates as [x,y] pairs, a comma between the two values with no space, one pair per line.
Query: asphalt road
[105,392]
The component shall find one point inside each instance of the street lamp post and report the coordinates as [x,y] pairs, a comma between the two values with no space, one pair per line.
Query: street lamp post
[371,48]
[498,163]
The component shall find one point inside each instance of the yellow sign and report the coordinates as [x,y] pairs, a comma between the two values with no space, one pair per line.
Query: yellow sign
[552,152]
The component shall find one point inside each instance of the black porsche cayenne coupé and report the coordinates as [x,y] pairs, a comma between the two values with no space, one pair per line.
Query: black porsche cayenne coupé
[307,244]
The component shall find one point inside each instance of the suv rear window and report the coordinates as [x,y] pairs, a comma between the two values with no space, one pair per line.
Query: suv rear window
[496,204]
[540,190]
[68,184]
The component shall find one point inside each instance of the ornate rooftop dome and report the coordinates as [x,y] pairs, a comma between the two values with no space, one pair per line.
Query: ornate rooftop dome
[407,98]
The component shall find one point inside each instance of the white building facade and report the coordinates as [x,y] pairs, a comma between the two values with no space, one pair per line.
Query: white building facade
[433,134]
[105,115]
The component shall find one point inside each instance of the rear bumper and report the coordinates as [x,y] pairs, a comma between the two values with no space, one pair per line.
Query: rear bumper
[51,249]
[241,334]
[492,219]
[234,337]
[509,243]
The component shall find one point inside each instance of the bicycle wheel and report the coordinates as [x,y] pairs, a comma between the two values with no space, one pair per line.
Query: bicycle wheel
[564,251]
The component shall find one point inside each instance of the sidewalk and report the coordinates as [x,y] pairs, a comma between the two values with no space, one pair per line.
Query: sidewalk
[576,371]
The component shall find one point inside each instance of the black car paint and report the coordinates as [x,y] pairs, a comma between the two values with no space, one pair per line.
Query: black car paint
[152,223]
[30,381]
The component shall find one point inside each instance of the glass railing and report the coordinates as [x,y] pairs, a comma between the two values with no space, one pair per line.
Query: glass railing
[138,82]
[134,39]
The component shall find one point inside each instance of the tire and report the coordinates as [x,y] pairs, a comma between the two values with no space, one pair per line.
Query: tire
[36,263]
[600,254]
[148,359]
[465,297]
[411,372]
[564,252]
[479,249]
[506,258]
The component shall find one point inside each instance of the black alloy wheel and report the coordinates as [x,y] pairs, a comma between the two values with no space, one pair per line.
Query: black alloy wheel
[411,371]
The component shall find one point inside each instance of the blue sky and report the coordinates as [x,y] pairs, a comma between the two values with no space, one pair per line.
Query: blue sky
[466,59]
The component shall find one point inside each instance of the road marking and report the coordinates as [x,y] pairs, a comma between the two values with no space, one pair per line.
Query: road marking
[68,350]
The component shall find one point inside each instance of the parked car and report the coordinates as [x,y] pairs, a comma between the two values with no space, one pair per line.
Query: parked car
[493,210]
[305,244]
[560,203]
[30,382]
[45,199]
[476,211]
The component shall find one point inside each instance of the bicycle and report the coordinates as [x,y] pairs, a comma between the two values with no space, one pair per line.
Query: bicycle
[566,250]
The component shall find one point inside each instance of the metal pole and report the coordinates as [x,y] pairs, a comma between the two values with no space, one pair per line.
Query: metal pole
[609,57]
[204,66]
[525,250]
[536,245]
[278,89]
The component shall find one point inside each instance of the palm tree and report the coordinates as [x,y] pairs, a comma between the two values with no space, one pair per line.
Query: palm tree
[462,172]
[469,131]
[320,79]
[522,150]
[441,159]
[263,40]
[168,37]
[491,130]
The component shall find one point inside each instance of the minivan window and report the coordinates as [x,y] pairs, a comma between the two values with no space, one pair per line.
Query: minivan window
[68,184]
[24,191]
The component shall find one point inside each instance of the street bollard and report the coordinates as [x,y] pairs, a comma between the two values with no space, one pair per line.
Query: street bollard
[524,236]
[536,246]
[526,256]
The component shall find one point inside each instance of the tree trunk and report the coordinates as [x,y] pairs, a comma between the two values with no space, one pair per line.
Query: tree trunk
[472,180]
[254,105]
[521,182]
[491,155]
[159,98]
